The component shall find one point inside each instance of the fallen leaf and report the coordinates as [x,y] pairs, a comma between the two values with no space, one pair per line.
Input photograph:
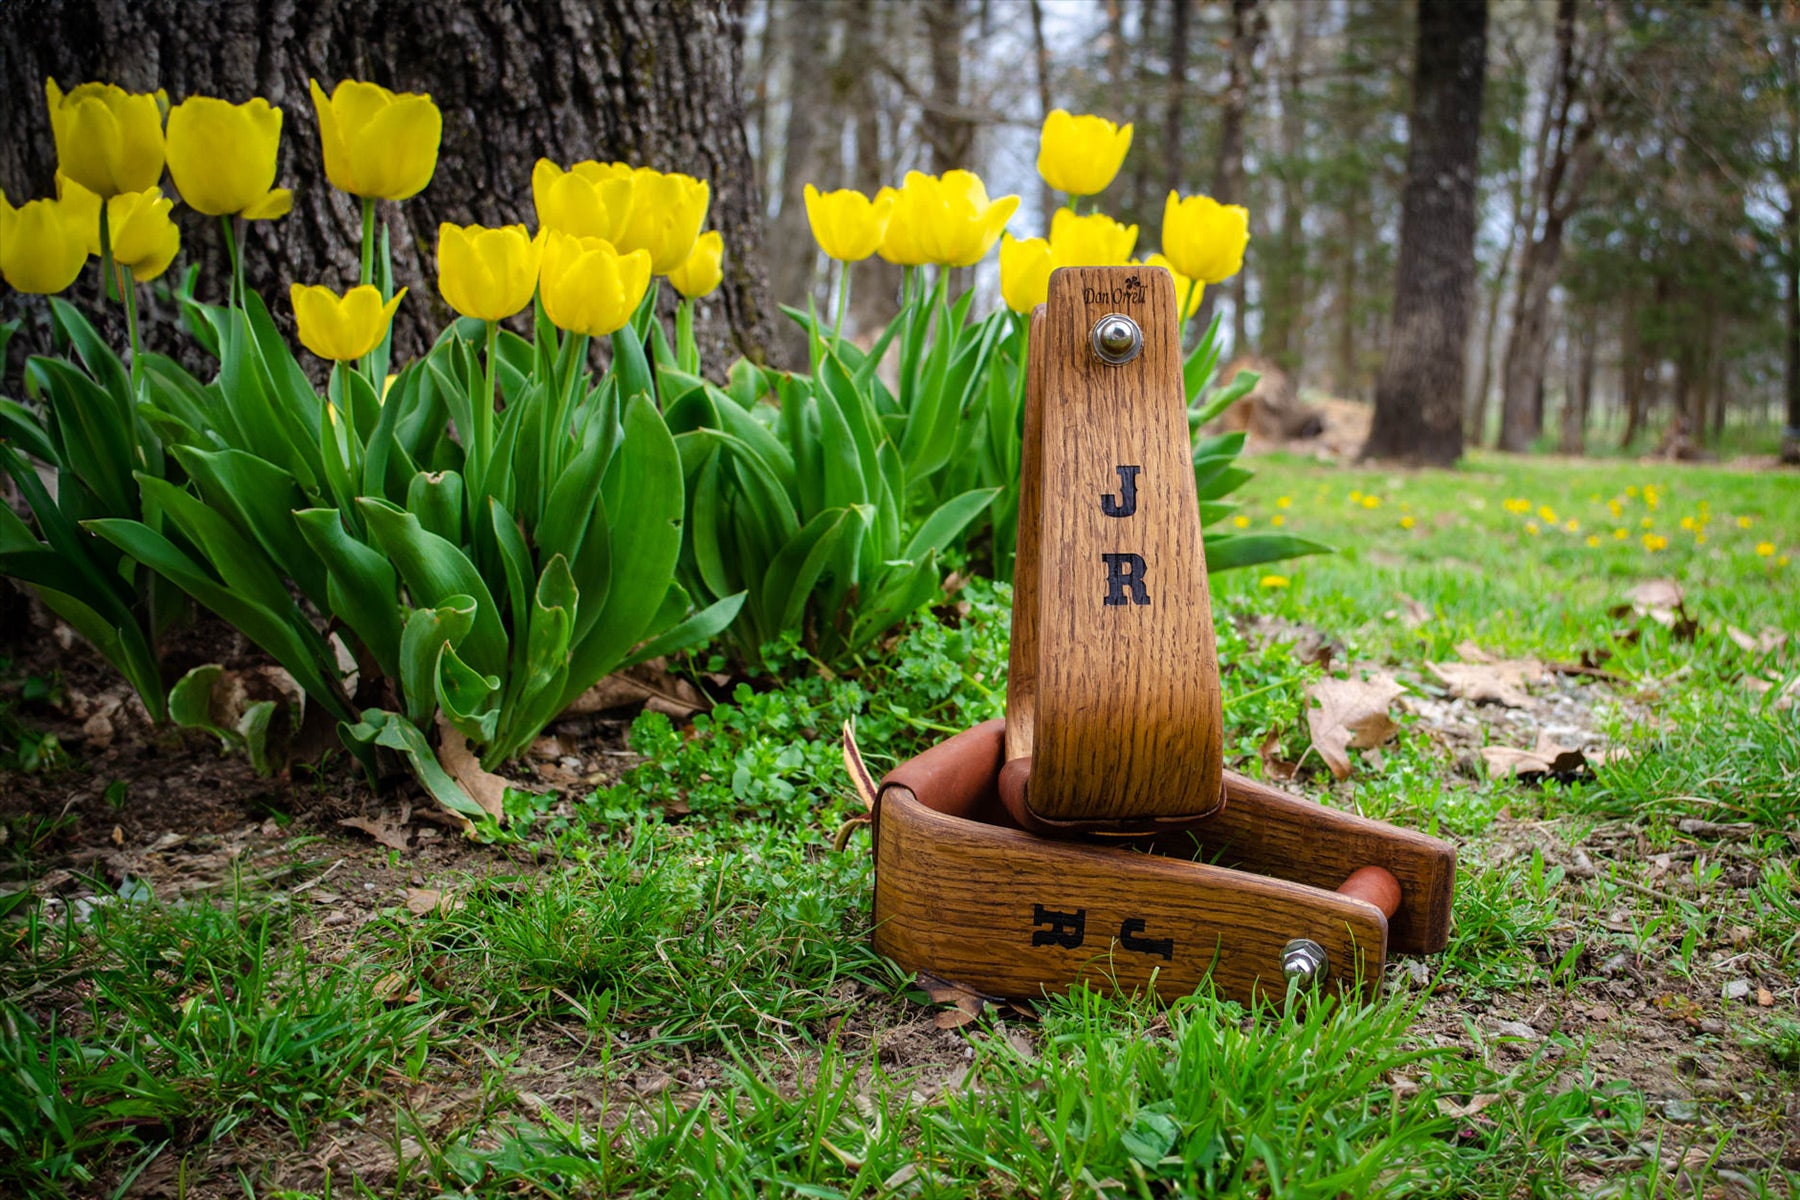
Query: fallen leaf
[484,787]
[650,684]
[966,1004]
[1662,600]
[1450,1108]
[1498,682]
[953,1018]
[423,901]
[1274,766]
[381,829]
[1469,652]
[1411,613]
[1765,998]
[1546,758]
[1766,642]
[395,988]
[1351,714]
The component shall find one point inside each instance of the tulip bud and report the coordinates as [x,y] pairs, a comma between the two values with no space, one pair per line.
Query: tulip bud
[342,328]
[588,287]
[1025,268]
[377,144]
[847,224]
[703,270]
[107,139]
[222,157]
[1204,239]
[144,239]
[1188,292]
[1095,240]
[1081,155]
[42,245]
[488,274]
[900,242]
[667,211]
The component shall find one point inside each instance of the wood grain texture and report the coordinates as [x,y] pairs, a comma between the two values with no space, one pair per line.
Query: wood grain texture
[1124,702]
[1011,914]
[1021,675]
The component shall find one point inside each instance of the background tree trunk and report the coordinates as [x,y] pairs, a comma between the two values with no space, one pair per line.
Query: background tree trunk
[1175,117]
[1418,397]
[1228,171]
[633,80]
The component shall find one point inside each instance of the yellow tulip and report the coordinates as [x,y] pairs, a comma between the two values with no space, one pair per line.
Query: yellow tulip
[667,211]
[107,139]
[42,245]
[488,274]
[634,208]
[1187,291]
[702,272]
[1081,155]
[847,224]
[900,242]
[377,145]
[1025,268]
[1203,238]
[143,237]
[83,209]
[342,328]
[963,223]
[1091,241]
[590,199]
[222,157]
[588,287]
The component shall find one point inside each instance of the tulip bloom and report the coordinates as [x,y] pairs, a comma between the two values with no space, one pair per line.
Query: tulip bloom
[488,274]
[947,220]
[634,208]
[107,139]
[667,211]
[144,239]
[342,328]
[1204,239]
[1187,291]
[590,199]
[377,145]
[1081,155]
[588,287]
[703,271]
[847,224]
[222,157]
[42,245]
[1025,268]
[1091,241]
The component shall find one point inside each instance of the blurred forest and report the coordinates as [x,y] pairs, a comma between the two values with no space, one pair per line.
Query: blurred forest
[1638,193]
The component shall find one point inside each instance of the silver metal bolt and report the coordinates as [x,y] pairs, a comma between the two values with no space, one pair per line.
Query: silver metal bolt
[1117,339]
[1305,960]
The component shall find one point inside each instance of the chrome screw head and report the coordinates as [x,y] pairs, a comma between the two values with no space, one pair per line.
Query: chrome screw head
[1305,960]
[1117,339]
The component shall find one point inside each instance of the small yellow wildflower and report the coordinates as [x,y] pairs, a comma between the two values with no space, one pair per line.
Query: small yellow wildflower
[1646,522]
[1371,501]
[1572,525]
[1782,561]
[1356,496]
[1531,527]
[1547,513]
[1764,549]
[1654,542]
[1241,521]
[1699,539]
[1273,581]
[1621,534]
[1632,490]
[1278,520]
[1744,522]
[1407,522]
[1687,522]
[1615,508]
[1516,505]
[1593,540]
[1283,501]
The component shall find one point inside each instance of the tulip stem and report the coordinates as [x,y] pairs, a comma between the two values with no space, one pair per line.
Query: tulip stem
[237,262]
[843,305]
[368,241]
[106,261]
[484,418]
[128,285]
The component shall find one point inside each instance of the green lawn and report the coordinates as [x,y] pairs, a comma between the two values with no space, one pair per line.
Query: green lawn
[666,987]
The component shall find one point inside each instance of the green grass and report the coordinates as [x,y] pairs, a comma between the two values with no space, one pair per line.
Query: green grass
[693,926]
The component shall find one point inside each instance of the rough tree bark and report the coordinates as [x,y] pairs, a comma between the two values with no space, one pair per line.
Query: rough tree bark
[1418,396]
[1175,116]
[1228,169]
[1790,437]
[950,134]
[1567,153]
[1283,273]
[633,80]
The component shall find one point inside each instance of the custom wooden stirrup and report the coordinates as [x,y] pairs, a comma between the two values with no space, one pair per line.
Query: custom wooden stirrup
[1093,834]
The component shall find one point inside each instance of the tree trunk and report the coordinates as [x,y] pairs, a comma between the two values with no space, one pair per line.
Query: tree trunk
[876,297]
[1228,170]
[1418,397]
[1790,223]
[793,274]
[1567,152]
[1284,272]
[1175,116]
[1579,397]
[1040,53]
[950,135]
[633,80]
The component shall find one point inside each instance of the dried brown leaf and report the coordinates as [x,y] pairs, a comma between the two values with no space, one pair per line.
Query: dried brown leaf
[381,829]
[1546,758]
[423,901]
[396,988]
[1274,766]
[1351,713]
[1499,682]
[1766,642]
[650,684]
[484,787]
